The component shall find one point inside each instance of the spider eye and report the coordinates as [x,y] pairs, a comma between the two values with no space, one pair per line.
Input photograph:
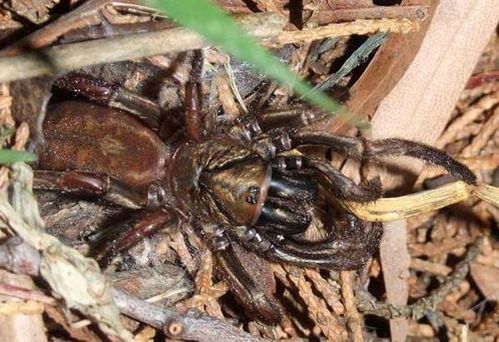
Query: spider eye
[240,191]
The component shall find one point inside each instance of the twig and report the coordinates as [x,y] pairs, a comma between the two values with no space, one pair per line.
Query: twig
[265,26]
[323,13]
[370,306]
[75,19]
[68,57]
[412,12]
[191,325]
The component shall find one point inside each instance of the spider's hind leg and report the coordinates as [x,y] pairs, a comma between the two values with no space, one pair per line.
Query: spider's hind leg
[112,95]
[194,116]
[116,239]
[90,184]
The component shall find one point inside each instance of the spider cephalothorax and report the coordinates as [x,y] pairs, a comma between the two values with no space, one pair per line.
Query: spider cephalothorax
[235,184]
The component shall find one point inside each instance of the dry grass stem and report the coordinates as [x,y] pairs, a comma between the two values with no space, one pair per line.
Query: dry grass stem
[360,27]
[77,55]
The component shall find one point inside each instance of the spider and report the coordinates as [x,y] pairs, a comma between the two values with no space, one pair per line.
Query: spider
[235,183]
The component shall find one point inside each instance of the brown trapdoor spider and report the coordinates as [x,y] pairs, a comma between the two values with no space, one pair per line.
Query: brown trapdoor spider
[235,183]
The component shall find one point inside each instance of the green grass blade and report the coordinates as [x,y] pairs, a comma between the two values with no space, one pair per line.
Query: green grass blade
[216,26]
[11,156]
[358,57]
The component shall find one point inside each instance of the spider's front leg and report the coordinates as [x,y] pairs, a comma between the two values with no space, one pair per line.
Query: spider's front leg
[334,182]
[375,150]
[348,250]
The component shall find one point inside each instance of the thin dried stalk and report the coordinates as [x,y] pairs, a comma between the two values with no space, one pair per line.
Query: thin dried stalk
[397,208]
[55,60]
[360,27]
[265,26]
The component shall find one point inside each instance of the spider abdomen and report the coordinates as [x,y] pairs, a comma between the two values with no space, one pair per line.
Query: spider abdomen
[85,137]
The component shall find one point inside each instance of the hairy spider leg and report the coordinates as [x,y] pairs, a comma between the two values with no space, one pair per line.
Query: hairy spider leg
[342,254]
[333,180]
[357,148]
[89,184]
[121,237]
[194,116]
[290,118]
[375,150]
[130,232]
[262,306]
[112,95]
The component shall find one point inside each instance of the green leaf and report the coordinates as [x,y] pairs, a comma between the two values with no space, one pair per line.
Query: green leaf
[216,26]
[11,156]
